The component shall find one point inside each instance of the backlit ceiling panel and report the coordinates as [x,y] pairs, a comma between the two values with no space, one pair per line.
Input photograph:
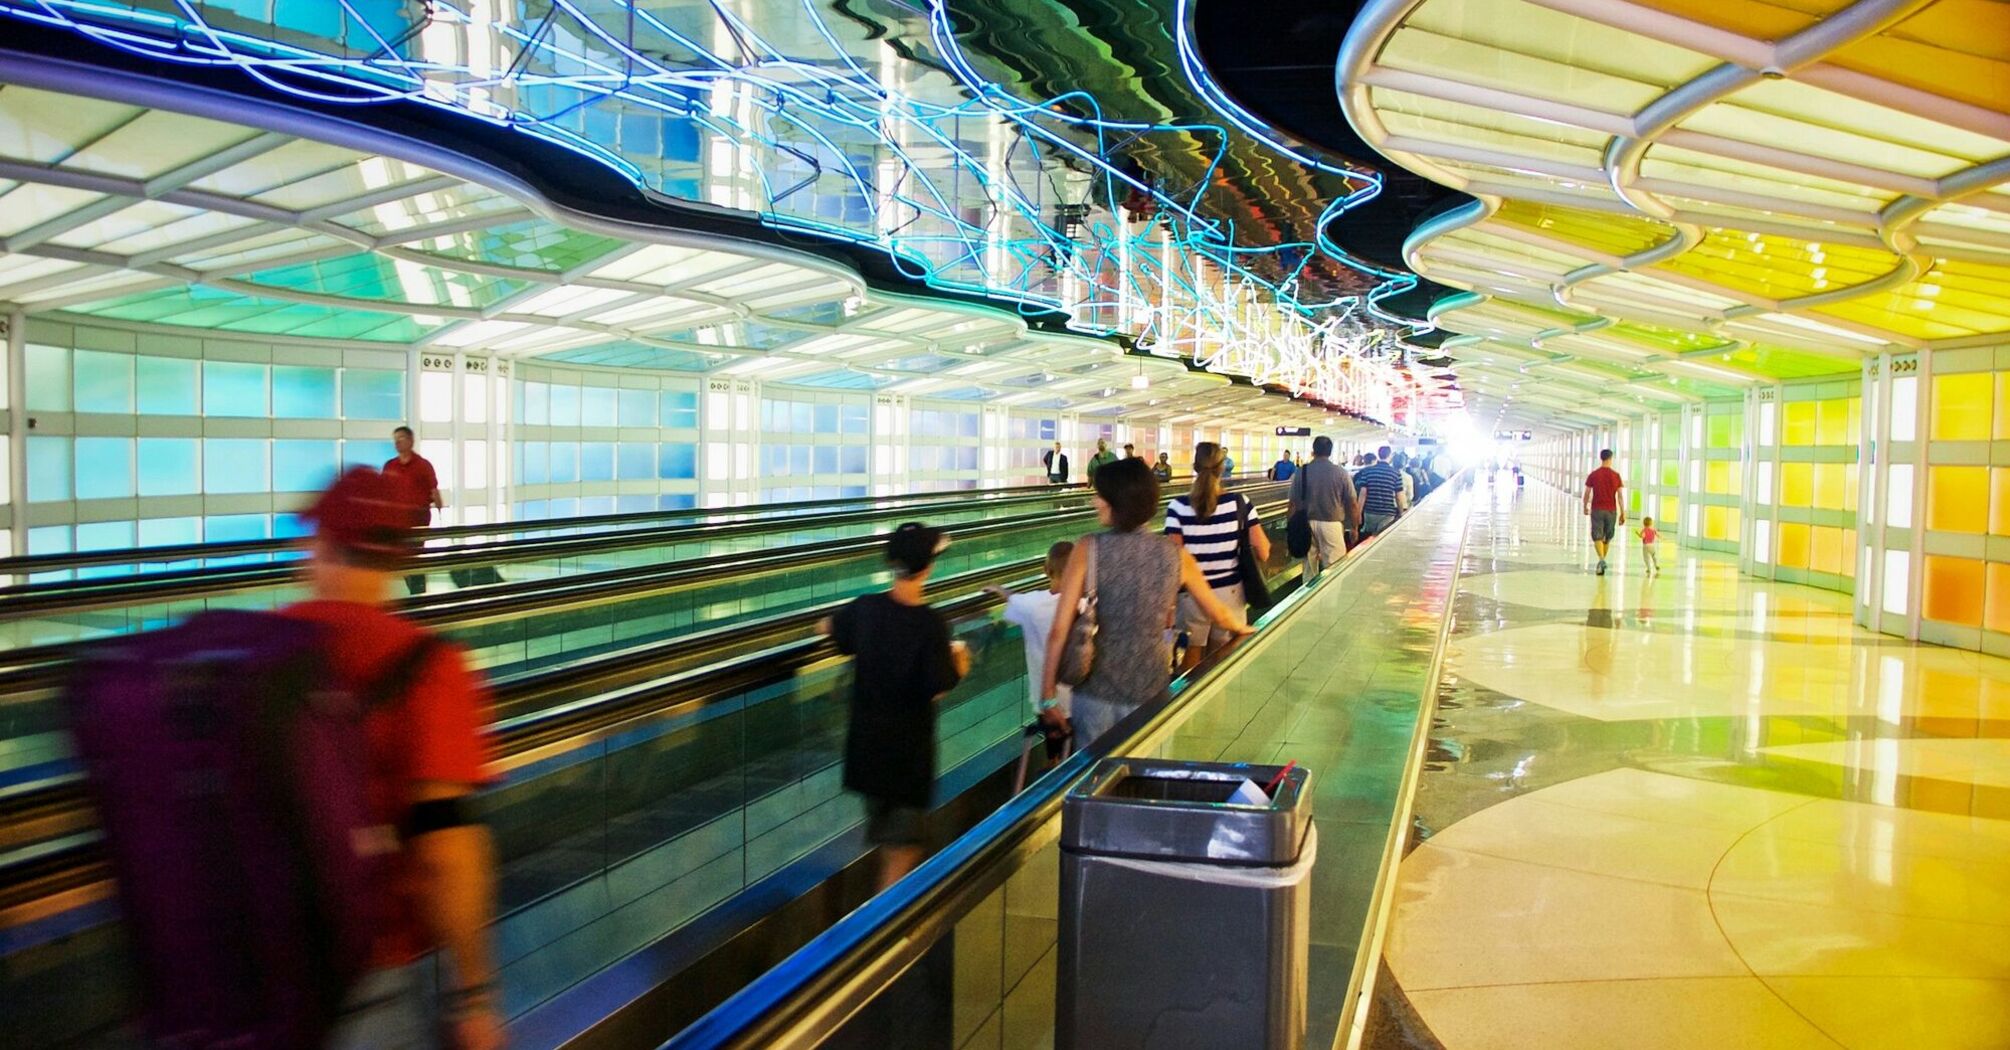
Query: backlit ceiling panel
[868,122]
[1705,195]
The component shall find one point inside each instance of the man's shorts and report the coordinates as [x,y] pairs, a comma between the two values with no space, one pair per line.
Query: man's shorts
[887,824]
[1604,525]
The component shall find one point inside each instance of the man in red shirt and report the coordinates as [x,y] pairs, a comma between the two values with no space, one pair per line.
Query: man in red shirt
[1602,504]
[418,489]
[427,757]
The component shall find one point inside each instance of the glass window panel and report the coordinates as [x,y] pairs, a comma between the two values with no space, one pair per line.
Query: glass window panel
[48,378]
[853,459]
[1999,501]
[233,388]
[475,397]
[1720,523]
[596,406]
[1962,408]
[1897,581]
[638,408]
[231,528]
[641,504]
[1768,422]
[802,417]
[1898,492]
[1957,499]
[1795,542]
[231,465]
[169,532]
[367,453]
[679,408]
[827,419]
[49,539]
[1762,544]
[169,467]
[799,459]
[1826,555]
[537,404]
[1800,428]
[1722,478]
[475,465]
[436,397]
[166,386]
[302,465]
[1797,484]
[1832,422]
[676,501]
[1763,492]
[854,419]
[638,459]
[596,461]
[104,382]
[105,536]
[595,505]
[536,463]
[51,477]
[1904,408]
[303,393]
[290,527]
[1952,590]
[677,461]
[373,393]
[564,462]
[441,455]
[564,405]
[104,468]
[826,459]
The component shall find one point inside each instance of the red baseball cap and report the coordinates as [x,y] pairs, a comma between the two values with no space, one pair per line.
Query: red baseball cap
[365,511]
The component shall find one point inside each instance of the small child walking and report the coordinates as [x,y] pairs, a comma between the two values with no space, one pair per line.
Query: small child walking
[1649,546]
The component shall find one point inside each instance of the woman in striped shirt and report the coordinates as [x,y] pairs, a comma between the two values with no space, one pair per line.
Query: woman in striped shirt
[1206,521]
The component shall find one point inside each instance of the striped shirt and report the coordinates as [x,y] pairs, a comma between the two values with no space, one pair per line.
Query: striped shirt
[1378,485]
[1211,540]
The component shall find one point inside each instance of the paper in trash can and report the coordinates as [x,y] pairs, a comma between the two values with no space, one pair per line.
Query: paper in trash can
[1248,794]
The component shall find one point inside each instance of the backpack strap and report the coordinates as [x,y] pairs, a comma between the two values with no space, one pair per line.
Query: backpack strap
[398,679]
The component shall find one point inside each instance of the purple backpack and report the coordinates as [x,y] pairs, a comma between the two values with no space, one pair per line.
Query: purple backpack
[230,773]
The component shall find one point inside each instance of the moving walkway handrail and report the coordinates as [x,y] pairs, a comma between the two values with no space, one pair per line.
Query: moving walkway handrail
[838,971]
[32,872]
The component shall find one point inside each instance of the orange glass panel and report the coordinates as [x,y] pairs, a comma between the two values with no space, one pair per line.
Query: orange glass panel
[1832,422]
[1829,481]
[1827,555]
[1999,501]
[1953,590]
[1793,546]
[1996,610]
[1798,426]
[1957,499]
[1963,407]
[1797,484]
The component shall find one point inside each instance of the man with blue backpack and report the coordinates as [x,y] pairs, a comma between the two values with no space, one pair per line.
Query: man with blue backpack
[287,802]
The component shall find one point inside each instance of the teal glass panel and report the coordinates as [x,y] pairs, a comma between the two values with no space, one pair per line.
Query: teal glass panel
[638,459]
[104,382]
[533,510]
[596,406]
[827,419]
[235,465]
[232,388]
[564,405]
[48,378]
[638,408]
[564,508]
[169,467]
[104,468]
[105,536]
[536,404]
[679,409]
[564,462]
[678,461]
[50,476]
[634,504]
[49,539]
[170,532]
[229,528]
[290,527]
[596,505]
[676,501]
[596,461]
[357,453]
[303,393]
[166,386]
[303,465]
[536,459]
[373,393]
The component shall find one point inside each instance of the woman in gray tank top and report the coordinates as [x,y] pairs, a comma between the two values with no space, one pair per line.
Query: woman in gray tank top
[1139,574]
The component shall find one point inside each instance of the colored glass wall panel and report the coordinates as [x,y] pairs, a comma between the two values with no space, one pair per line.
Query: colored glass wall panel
[1957,499]
[1826,550]
[1999,501]
[1830,482]
[1797,484]
[1953,590]
[1996,605]
[1854,420]
[2001,432]
[1795,542]
[1851,483]
[1832,422]
[1800,423]
[1671,475]
[1963,409]
[1720,523]
[1722,478]
[1726,430]
[1669,506]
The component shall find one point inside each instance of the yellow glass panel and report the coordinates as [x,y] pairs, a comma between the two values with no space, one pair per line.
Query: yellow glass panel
[1996,610]
[1855,420]
[1797,484]
[1934,50]
[1799,426]
[1793,546]
[1828,493]
[1850,483]
[1962,407]
[1720,523]
[1760,21]
[1953,590]
[1671,476]
[1721,478]
[2002,429]
[1669,506]
[1827,553]
[1957,499]
[1999,501]
[1832,422]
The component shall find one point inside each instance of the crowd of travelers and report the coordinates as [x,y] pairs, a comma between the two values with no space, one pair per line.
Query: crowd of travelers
[264,914]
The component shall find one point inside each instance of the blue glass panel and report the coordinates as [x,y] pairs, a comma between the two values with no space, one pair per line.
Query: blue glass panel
[564,508]
[50,477]
[105,536]
[104,468]
[564,406]
[170,532]
[166,386]
[638,408]
[533,510]
[676,501]
[826,459]
[536,457]
[966,424]
[596,406]
[855,419]
[373,393]
[966,459]
[827,419]
[230,528]
[852,459]
[49,539]
[851,491]
[680,408]
[803,417]
[235,465]
[634,504]
[536,404]
[677,461]
[232,388]
[564,463]
[366,453]
[638,460]
[169,467]
[799,459]
[104,382]
[596,505]
[290,527]
[48,379]
[596,461]
[303,466]
[303,393]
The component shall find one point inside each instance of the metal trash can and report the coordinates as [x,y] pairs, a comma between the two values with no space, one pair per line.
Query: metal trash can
[1185,917]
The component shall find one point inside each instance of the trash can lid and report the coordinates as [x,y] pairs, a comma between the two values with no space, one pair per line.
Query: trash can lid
[1189,811]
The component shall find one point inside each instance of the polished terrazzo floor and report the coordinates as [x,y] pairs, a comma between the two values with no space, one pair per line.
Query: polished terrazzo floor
[1698,810]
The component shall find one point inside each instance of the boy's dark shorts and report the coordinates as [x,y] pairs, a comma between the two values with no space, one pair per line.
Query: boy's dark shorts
[887,824]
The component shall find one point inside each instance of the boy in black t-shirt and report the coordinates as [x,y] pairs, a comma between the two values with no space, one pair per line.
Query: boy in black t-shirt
[903,660]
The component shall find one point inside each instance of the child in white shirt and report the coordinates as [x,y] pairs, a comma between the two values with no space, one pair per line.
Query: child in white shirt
[1033,613]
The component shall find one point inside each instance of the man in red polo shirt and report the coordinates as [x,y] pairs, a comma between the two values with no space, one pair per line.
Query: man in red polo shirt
[418,488]
[1602,504]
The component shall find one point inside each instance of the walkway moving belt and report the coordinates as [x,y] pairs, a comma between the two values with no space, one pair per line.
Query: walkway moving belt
[54,876]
